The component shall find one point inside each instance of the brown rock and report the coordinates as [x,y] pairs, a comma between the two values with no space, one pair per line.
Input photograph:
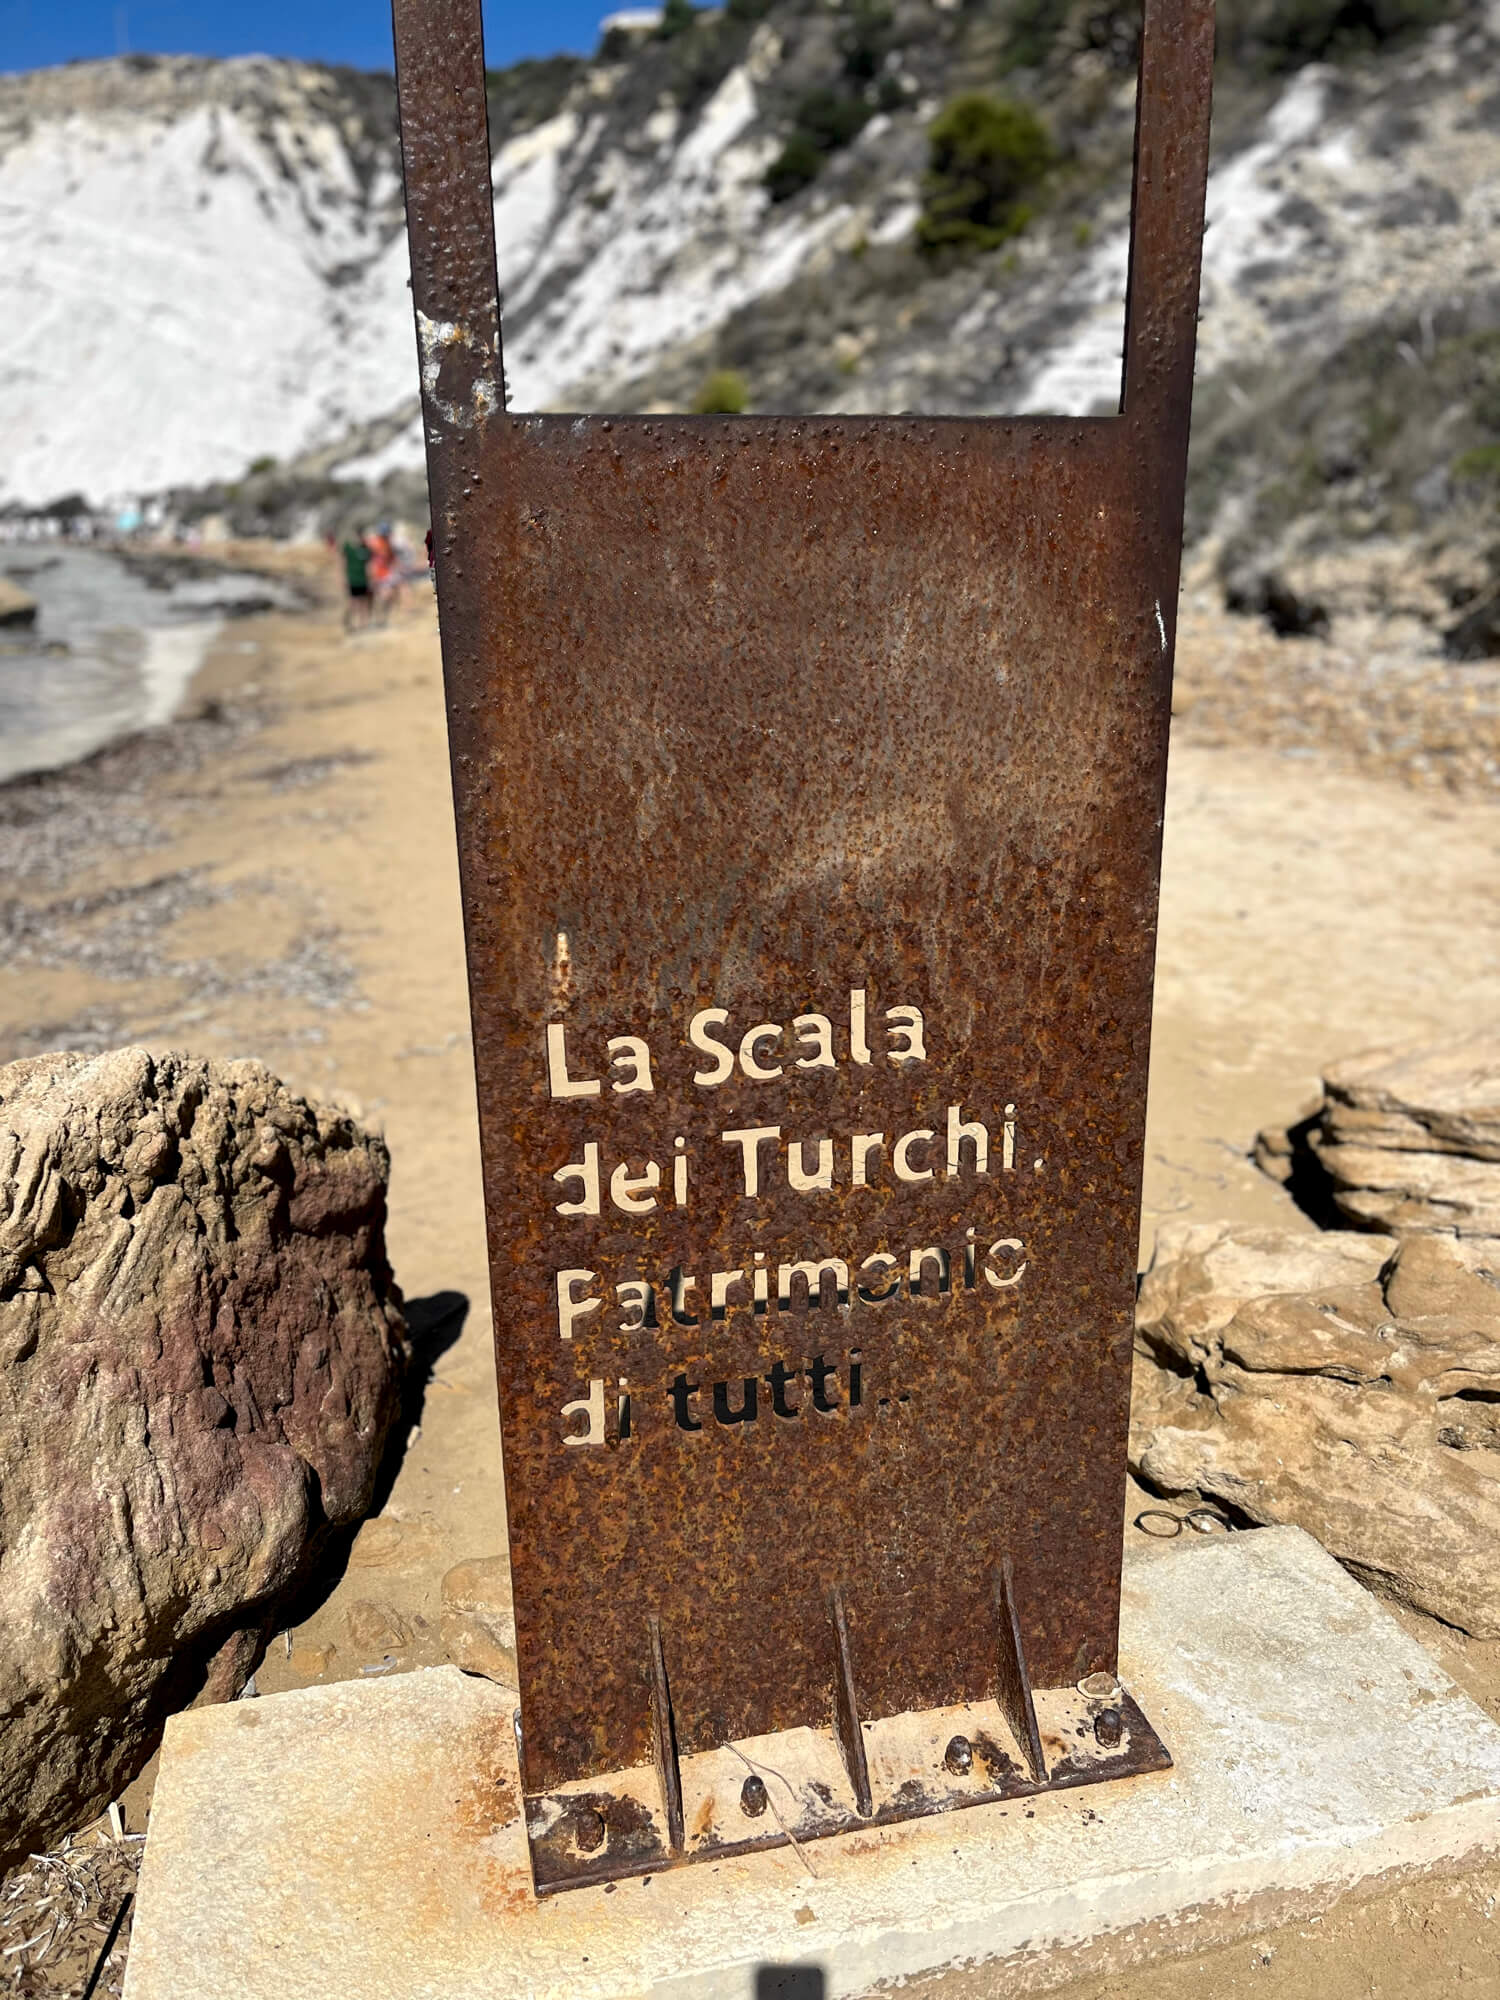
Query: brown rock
[1403,1141]
[479,1626]
[200,1350]
[1346,1383]
[16,607]
[376,1627]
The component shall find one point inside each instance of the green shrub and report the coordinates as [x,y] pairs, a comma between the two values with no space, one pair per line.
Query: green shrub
[825,121]
[831,120]
[984,155]
[866,39]
[725,393]
[677,16]
[1033,28]
[748,10]
[259,465]
[797,164]
[1481,466]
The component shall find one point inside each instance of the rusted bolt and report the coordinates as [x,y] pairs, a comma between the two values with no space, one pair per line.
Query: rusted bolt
[959,1757]
[1108,1728]
[588,1830]
[753,1797]
[1099,1687]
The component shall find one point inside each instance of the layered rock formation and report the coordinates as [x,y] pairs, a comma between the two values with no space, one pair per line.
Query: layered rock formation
[200,1353]
[1404,1139]
[1345,1382]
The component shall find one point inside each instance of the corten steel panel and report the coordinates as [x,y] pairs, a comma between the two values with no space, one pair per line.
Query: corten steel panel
[758,715]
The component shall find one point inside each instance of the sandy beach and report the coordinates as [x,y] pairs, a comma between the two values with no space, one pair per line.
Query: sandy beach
[273,874]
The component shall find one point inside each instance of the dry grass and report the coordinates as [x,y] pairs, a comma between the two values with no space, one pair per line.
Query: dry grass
[56,1914]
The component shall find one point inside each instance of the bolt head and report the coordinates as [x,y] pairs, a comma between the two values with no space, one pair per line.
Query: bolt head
[588,1830]
[753,1796]
[1108,1728]
[959,1757]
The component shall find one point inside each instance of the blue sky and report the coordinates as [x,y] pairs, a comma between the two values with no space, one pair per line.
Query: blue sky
[37,32]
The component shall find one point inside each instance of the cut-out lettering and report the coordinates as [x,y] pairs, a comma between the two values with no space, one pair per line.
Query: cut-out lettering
[703,1041]
[558,1080]
[814,1274]
[750,1141]
[819,1375]
[917,1270]
[868,1293]
[632,1193]
[719,1287]
[683,1392]
[587,1176]
[861,1146]
[569,1309]
[859,1048]
[907,1023]
[797,1174]
[901,1158]
[815,1031]
[629,1055]
[973,1135]
[780,1378]
[1015,1247]
[638,1297]
[766,1031]
[678,1287]
[749,1402]
[591,1409]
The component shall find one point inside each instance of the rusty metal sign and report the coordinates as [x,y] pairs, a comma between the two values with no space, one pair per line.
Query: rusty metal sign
[809,778]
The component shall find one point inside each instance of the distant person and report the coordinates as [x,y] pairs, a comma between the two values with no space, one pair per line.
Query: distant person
[356,554]
[385,573]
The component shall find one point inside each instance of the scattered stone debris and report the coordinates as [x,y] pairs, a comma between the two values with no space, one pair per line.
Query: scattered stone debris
[201,1349]
[298,772]
[1344,1382]
[1375,697]
[53,822]
[479,1624]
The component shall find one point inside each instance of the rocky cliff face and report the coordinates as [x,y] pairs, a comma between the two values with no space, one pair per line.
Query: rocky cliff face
[207,267]
[203,264]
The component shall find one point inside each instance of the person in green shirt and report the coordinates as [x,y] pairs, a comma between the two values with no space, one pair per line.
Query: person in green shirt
[356,554]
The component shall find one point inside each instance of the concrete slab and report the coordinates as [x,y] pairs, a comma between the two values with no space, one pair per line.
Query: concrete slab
[363,1838]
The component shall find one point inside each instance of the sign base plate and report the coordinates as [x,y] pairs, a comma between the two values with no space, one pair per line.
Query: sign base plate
[793,1787]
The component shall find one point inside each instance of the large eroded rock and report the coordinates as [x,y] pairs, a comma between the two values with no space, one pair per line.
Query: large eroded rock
[1346,1383]
[1404,1140]
[200,1352]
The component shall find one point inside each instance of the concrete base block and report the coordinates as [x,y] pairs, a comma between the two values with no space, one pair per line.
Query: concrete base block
[364,1838]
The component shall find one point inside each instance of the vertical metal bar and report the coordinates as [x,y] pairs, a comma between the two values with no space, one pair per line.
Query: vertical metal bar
[846,1723]
[1014,1682]
[450,226]
[1173,106]
[664,1737]
[445,157]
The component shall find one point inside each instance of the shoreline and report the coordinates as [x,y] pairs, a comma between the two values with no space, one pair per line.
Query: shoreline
[178,669]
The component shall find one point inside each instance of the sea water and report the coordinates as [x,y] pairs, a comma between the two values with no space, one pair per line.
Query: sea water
[110,652]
